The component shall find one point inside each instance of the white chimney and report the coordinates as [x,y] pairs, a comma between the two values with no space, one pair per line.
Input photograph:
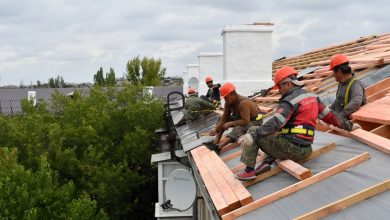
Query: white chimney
[210,64]
[193,75]
[32,96]
[185,82]
[247,56]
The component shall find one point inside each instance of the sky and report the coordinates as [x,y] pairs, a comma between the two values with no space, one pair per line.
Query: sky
[73,38]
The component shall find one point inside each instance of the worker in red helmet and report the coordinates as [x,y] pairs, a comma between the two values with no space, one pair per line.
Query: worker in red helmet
[195,107]
[350,92]
[289,133]
[213,94]
[240,113]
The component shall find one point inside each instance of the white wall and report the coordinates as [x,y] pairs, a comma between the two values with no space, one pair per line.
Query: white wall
[193,75]
[247,57]
[210,64]
[185,82]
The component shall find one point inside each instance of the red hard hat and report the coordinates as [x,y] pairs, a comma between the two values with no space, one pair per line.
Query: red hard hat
[208,79]
[227,88]
[337,60]
[191,90]
[283,73]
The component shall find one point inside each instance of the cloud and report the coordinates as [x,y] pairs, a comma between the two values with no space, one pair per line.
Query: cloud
[42,38]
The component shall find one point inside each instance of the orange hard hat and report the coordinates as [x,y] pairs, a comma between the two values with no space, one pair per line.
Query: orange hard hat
[226,89]
[208,79]
[191,91]
[337,60]
[284,72]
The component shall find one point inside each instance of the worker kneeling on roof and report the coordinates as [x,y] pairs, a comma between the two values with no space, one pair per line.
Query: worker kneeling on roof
[195,106]
[239,113]
[213,93]
[350,92]
[290,132]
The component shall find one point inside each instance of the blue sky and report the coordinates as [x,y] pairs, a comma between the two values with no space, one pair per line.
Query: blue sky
[44,38]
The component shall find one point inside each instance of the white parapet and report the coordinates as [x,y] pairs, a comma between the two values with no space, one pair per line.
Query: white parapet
[185,82]
[210,64]
[247,58]
[193,76]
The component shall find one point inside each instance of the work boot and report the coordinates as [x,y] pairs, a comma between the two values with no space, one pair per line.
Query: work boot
[243,175]
[262,168]
[213,147]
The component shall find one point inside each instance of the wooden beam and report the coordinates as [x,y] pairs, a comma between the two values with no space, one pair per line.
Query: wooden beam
[368,126]
[376,112]
[294,169]
[383,130]
[277,170]
[373,140]
[378,95]
[230,146]
[228,194]
[296,187]
[267,99]
[347,201]
[232,156]
[211,186]
[235,185]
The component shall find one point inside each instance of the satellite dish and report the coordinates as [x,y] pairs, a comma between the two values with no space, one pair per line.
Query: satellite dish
[180,190]
[193,82]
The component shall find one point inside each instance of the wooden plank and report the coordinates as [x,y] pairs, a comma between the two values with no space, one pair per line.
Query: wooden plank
[230,146]
[383,84]
[383,130]
[210,184]
[296,187]
[228,194]
[277,170]
[267,99]
[376,112]
[232,156]
[238,189]
[294,169]
[373,140]
[378,95]
[265,109]
[347,201]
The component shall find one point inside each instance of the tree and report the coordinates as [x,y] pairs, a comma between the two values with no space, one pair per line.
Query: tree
[52,83]
[151,73]
[39,84]
[94,150]
[110,78]
[99,78]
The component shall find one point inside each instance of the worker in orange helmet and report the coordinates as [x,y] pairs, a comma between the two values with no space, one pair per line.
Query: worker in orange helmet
[289,133]
[240,113]
[195,107]
[213,93]
[350,92]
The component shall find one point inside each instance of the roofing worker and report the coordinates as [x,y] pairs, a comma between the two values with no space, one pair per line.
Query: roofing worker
[195,106]
[350,92]
[240,113]
[213,94]
[290,132]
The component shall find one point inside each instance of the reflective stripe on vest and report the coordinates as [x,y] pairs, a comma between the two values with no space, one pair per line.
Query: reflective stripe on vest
[296,130]
[346,97]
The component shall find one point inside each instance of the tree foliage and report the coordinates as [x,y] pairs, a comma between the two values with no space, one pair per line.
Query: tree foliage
[99,79]
[84,158]
[147,71]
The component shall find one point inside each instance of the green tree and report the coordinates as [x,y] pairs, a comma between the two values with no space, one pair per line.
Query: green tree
[52,83]
[110,78]
[99,78]
[147,72]
[97,149]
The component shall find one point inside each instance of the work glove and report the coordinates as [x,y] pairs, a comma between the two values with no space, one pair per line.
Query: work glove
[246,140]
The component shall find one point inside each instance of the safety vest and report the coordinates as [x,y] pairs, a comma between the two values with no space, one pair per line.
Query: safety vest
[304,113]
